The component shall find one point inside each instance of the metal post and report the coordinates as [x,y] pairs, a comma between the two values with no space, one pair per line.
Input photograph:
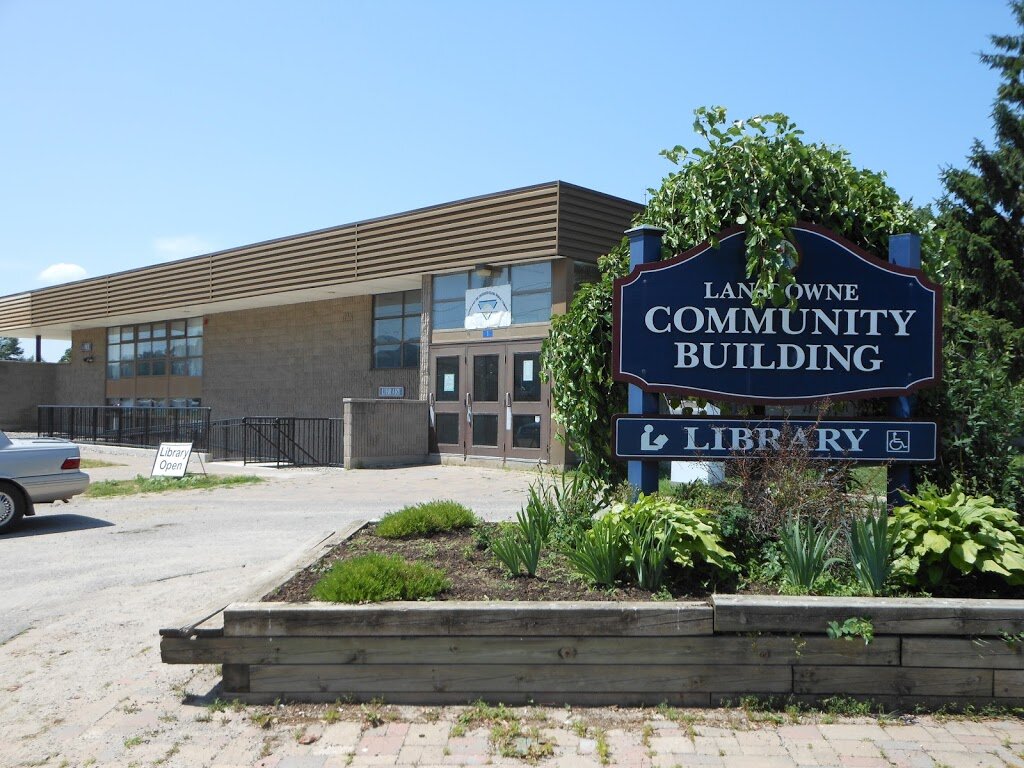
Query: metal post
[644,248]
[904,251]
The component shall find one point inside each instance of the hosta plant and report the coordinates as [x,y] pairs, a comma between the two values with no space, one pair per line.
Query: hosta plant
[942,536]
[692,532]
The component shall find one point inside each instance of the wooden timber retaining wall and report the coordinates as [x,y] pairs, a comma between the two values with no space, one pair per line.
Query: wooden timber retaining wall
[925,651]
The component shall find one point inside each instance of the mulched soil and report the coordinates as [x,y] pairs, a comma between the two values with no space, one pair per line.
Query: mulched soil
[474,572]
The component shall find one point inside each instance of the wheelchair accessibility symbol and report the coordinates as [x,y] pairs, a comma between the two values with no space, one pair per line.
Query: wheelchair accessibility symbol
[897,441]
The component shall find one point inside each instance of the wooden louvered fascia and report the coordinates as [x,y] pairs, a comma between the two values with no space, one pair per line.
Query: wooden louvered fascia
[162,286]
[16,311]
[77,301]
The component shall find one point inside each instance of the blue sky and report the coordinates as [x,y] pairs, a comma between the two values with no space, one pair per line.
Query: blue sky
[136,132]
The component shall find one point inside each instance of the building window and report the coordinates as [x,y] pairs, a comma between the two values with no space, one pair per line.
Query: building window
[396,329]
[155,349]
[531,294]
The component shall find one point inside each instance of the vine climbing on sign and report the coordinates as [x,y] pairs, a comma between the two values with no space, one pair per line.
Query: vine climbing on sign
[758,174]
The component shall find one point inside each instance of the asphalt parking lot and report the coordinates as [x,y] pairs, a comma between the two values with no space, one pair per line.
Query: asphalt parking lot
[88,584]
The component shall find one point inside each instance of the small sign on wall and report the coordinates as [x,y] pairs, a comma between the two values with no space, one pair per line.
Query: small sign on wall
[391,393]
[171,460]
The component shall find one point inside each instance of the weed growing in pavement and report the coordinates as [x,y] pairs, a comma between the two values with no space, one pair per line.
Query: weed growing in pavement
[686,720]
[134,741]
[175,748]
[217,705]
[332,715]
[506,734]
[374,713]
[267,748]
[261,719]
[604,752]
[645,734]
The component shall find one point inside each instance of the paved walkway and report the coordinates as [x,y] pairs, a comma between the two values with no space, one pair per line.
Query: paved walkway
[81,682]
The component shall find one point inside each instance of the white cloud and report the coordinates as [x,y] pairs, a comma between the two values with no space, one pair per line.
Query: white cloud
[61,273]
[181,247]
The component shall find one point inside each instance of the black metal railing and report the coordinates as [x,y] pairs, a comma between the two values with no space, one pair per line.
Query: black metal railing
[279,440]
[125,425]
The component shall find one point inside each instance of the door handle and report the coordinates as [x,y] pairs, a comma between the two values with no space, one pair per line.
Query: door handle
[508,399]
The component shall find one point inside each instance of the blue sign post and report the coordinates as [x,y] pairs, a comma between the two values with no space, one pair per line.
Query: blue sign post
[644,248]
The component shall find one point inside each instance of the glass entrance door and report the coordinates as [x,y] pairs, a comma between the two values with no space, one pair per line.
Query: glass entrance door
[446,407]
[488,400]
[527,415]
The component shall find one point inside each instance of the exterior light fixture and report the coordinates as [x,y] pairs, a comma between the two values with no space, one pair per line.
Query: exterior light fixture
[486,270]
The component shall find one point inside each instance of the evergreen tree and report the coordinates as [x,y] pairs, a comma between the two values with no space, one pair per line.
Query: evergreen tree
[980,403]
[983,209]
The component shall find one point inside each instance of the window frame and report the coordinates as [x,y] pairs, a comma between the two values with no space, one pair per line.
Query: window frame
[404,315]
[505,276]
[150,335]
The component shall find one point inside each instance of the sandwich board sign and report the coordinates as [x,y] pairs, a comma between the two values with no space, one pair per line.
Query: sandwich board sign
[171,460]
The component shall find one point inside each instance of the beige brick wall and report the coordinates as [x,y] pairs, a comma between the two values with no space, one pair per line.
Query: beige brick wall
[296,360]
[23,386]
[79,382]
[382,433]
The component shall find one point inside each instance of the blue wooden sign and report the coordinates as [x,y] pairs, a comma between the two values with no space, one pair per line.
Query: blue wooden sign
[663,438]
[861,327]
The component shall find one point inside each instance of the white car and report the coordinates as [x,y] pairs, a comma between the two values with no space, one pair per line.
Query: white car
[36,471]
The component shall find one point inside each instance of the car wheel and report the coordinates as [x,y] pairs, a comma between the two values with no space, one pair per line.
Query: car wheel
[12,507]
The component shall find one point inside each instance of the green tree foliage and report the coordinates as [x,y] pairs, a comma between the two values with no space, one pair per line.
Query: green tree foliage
[758,174]
[979,406]
[983,209]
[981,401]
[10,349]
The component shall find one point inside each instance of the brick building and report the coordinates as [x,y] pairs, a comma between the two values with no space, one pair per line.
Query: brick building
[293,326]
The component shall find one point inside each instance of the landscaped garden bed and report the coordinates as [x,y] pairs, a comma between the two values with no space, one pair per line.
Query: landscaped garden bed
[552,638]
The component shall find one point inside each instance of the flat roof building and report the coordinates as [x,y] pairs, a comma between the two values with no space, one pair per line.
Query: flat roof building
[446,305]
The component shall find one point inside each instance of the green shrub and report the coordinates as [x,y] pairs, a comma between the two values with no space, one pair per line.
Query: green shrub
[598,554]
[805,553]
[425,519]
[374,578]
[979,406]
[956,534]
[871,540]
